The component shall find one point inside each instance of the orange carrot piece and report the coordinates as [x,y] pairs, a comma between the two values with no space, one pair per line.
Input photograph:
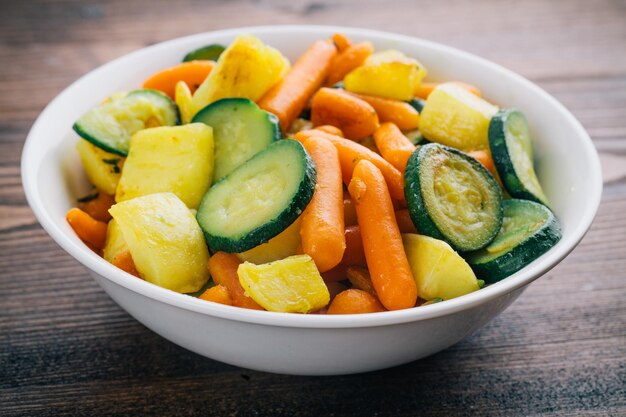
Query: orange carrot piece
[349,211]
[322,227]
[193,73]
[98,208]
[290,96]
[223,269]
[400,113]
[341,41]
[331,106]
[426,88]
[405,224]
[393,145]
[347,60]
[382,242]
[484,157]
[360,279]
[89,230]
[354,253]
[218,294]
[124,261]
[330,130]
[350,153]
[354,301]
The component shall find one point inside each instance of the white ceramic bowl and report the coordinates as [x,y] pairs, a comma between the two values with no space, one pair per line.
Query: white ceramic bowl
[567,165]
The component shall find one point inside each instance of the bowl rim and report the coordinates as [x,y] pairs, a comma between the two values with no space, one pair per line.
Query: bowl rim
[104,269]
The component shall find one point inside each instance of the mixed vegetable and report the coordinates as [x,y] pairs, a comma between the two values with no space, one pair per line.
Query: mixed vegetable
[344,183]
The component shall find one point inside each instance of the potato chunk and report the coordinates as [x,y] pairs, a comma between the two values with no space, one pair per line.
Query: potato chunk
[176,159]
[165,241]
[438,270]
[455,117]
[103,169]
[386,74]
[247,68]
[291,285]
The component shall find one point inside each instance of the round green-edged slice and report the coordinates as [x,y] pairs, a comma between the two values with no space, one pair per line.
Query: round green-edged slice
[209,52]
[452,197]
[529,229]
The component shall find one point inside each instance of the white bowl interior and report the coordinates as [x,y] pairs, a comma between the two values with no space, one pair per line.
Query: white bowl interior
[566,160]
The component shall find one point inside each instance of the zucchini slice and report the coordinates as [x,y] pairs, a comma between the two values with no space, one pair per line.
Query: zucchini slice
[512,150]
[417,103]
[259,199]
[110,125]
[529,229]
[240,130]
[208,53]
[452,197]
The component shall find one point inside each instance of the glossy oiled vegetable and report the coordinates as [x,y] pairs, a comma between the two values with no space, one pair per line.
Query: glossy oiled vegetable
[455,117]
[169,159]
[354,301]
[103,168]
[355,117]
[438,270]
[452,197]
[284,244]
[164,240]
[291,285]
[388,74]
[259,199]
[223,269]
[528,231]
[247,68]
[115,243]
[110,125]
[191,73]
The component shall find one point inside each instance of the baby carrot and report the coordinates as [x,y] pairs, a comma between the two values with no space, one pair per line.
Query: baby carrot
[353,255]
[393,145]
[426,88]
[223,269]
[400,113]
[382,242]
[322,228]
[484,157]
[124,261]
[354,301]
[347,60]
[330,129]
[350,153]
[192,73]
[405,224]
[335,107]
[89,230]
[98,207]
[341,41]
[218,294]
[288,98]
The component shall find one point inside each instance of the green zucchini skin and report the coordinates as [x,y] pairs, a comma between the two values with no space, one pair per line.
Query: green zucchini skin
[210,53]
[84,130]
[503,156]
[240,124]
[417,103]
[532,247]
[418,205]
[304,171]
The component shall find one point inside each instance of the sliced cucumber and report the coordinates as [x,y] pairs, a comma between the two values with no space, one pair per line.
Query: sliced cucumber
[240,130]
[209,53]
[452,197]
[417,103]
[111,125]
[512,150]
[416,137]
[529,229]
[259,199]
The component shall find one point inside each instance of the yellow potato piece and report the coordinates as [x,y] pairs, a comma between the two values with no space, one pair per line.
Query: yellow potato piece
[438,270]
[183,99]
[177,159]
[387,74]
[284,244]
[247,68]
[455,117]
[115,243]
[291,285]
[165,241]
[103,169]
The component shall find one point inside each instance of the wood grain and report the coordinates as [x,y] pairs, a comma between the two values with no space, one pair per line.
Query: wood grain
[67,350]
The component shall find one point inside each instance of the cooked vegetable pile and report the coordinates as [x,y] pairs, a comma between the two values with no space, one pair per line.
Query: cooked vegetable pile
[344,183]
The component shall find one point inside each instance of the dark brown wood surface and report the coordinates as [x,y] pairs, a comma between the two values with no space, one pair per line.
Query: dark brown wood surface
[67,350]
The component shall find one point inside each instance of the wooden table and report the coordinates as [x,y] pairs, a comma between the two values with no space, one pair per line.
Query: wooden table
[67,349]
